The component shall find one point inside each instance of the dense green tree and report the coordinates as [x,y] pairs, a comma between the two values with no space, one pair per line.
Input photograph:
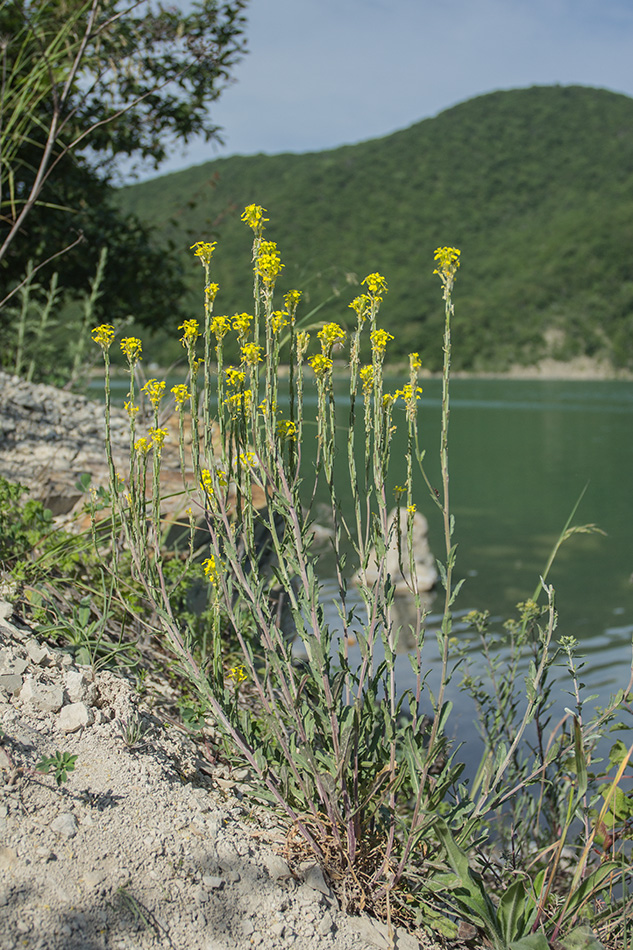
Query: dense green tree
[83,86]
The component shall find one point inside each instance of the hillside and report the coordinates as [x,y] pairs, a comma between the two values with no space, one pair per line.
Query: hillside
[534,185]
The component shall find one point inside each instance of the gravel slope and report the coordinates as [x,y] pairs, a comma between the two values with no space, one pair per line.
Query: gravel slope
[140,848]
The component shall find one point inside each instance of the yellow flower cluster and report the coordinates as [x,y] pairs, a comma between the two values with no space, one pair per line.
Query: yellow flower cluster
[287,430]
[191,332]
[278,321]
[131,409]
[253,216]
[242,324]
[211,572]
[361,307]
[376,285]
[367,378]
[379,340]
[291,299]
[237,674]
[131,347]
[415,363]
[321,365]
[103,335]
[411,509]
[268,264]
[154,391]
[206,481]
[143,445]
[234,377]
[157,437]
[239,402]
[447,260]
[181,394]
[220,326]
[211,291]
[204,250]
[251,354]
[248,459]
[330,335]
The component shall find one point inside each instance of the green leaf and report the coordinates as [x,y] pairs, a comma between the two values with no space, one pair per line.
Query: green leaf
[531,942]
[581,939]
[513,911]
[470,896]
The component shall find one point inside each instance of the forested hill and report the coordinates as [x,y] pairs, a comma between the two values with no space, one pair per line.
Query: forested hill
[534,185]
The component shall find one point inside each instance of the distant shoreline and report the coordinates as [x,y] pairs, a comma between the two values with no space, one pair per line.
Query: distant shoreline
[581,368]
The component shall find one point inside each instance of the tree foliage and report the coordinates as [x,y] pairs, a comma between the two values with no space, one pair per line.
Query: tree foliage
[83,85]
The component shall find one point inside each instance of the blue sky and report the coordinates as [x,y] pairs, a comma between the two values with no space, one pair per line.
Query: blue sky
[323,73]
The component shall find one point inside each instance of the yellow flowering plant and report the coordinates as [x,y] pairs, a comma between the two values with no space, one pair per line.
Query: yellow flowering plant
[132,349]
[154,390]
[253,216]
[103,336]
[362,771]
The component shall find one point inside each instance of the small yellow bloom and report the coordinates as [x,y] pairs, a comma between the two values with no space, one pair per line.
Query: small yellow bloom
[131,347]
[253,216]
[242,324]
[206,481]
[181,394]
[415,363]
[291,300]
[143,445]
[211,291]
[264,407]
[191,332]
[287,430]
[411,509]
[388,399]
[237,674]
[379,340]
[367,378]
[234,377]
[409,392]
[361,306]
[447,259]
[204,250]
[158,437]
[131,409]
[330,335]
[248,459]
[154,391]
[211,572]
[399,490]
[251,354]
[376,285]
[220,326]
[268,265]
[278,320]
[103,335]
[321,365]
[239,402]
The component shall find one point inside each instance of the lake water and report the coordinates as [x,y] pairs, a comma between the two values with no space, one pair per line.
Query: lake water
[521,452]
